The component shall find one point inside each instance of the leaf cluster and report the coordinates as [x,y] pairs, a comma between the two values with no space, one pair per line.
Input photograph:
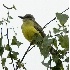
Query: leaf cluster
[49,45]
[11,54]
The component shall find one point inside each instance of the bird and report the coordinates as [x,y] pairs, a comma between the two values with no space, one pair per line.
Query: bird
[30,27]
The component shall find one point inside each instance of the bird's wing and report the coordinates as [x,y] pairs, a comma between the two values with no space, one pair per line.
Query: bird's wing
[39,28]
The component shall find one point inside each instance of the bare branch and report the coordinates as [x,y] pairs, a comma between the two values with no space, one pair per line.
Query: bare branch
[7,7]
[54,18]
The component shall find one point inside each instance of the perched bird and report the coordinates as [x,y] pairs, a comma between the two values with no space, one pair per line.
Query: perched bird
[30,27]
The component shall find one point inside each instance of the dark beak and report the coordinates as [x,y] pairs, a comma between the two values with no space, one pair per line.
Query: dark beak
[21,17]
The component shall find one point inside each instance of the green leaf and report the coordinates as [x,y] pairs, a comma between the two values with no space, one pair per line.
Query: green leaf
[62,52]
[0,42]
[8,48]
[45,47]
[62,18]
[10,17]
[45,51]
[46,64]
[15,42]
[68,67]
[65,30]
[3,61]
[14,7]
[19,43]
[67,59]
[54,42]
[6,68]
[8,13]
[55,30]
[1,22]
[20,65]
[7,20]
[1,50]
[57,68]
[59,65]
[13,55]
[55,58]
[37,39]
[64,41]
[46,41]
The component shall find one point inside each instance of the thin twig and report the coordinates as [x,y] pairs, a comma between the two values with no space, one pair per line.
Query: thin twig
[1,32]
[7,7]
[1,40]
[50,62]
[65,10]
[54,18]
[23,57]
[31,48]
[25,54]
[49,22]
[10,49]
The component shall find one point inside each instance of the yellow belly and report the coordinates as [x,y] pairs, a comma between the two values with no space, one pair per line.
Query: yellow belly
[29,32]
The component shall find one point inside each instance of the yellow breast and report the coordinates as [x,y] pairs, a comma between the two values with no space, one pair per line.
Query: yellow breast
[29,31]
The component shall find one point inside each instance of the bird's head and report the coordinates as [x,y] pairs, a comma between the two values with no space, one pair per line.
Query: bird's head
[27,16]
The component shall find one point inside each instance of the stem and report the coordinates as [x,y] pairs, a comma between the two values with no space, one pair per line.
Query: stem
[1,40]
[1,32]
[7,7]
[10,49]
[50,62]
[54,18]
[28,49]
[25,54]
[49,22]
[31,48]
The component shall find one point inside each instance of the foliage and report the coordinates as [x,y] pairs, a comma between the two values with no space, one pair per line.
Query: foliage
[12,54]
[60,38]
[15,42]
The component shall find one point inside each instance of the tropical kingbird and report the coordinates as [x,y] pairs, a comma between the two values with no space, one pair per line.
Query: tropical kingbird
[30,27]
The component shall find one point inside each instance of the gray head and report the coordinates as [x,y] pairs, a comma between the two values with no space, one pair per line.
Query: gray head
[27,16]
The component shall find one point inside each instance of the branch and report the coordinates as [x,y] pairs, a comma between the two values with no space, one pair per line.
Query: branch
[31,48]
[50,62]
[7,7]
[25,54]
[49,22]
[10,49]
[54,18]
[28,49]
